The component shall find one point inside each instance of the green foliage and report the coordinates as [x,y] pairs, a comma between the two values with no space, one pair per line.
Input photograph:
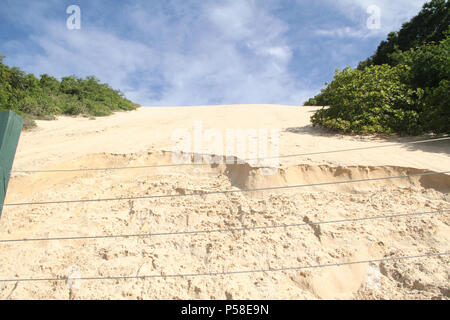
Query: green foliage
[430,25]
[28,123]
[403,88]
[369,101]
[310,102]
[436,109]
[429,64]
[43,98]
[321,99]
[49,84]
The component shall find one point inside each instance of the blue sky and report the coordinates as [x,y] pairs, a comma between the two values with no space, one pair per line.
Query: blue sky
[183,52]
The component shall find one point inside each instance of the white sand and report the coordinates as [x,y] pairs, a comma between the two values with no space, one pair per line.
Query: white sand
[143,137]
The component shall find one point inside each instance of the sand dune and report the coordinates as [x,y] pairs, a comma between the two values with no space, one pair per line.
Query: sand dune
[144,138]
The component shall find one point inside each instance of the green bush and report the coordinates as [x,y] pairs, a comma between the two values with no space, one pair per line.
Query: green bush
[28,124]
[369,101]
[429,64]
[436,109]
[403,88]
[429,25]
[310,102]
[43,98]
[322,99]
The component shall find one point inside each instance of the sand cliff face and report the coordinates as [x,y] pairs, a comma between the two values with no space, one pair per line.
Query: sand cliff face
[143,138]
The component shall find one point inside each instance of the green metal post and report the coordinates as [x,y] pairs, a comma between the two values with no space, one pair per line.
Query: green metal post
[10,128]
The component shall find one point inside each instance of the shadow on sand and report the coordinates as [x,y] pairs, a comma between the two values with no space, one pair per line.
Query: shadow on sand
[441,147]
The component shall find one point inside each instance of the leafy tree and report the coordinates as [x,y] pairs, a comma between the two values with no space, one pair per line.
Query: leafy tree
[413,71]
[70,85]
[436,109]
[5,87]
[373,100]
[429,63]
[49,83]
[430,25]
[43,98]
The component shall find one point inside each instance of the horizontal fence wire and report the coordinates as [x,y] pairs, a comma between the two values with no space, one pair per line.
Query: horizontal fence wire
[225,191]
[207,164]
[196,232]
[226,273]
[355,149]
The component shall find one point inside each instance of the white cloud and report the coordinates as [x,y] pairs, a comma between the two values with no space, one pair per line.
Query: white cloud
[87,52]
[282,54]
[240,55]
[347,32]
[229,52]
[392,13]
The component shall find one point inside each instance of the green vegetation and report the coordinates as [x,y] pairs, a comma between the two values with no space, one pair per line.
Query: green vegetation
[373,100]
[430,25]
[403,88]
[46,97]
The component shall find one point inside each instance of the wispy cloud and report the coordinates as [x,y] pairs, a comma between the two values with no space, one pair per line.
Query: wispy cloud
[347,32]
[392,15]
[232,52]
[198,52]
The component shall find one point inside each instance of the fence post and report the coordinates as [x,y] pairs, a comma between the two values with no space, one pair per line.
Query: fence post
[10,128]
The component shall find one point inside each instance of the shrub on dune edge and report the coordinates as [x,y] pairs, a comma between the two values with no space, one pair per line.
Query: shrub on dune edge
[369,101]
[43,98]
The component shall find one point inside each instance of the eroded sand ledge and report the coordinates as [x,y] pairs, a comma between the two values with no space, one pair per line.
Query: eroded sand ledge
[143,138]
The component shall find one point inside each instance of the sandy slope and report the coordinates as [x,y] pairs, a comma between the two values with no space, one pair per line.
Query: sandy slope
[145,137]
[150,129]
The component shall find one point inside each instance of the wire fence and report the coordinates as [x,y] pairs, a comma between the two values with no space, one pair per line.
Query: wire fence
[253,159]
[225,191]
[245,228]
[197,232]
[227,273]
